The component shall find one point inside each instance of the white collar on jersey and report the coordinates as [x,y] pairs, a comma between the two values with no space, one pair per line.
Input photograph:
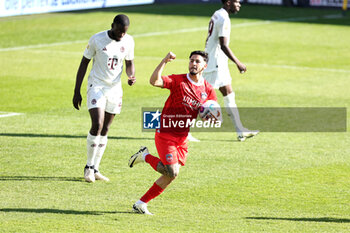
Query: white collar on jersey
[199,83]
[225,12]
[107,36]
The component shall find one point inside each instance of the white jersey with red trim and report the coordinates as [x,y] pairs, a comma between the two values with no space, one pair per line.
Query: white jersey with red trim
[219,26]
[108,57]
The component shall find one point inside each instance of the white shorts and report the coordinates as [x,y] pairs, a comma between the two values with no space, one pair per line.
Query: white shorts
[218,78]
[109,99]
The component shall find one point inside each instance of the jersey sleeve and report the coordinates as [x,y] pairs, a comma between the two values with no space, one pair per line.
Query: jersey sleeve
[130,55]
[168,81]
[211,92]
[90,50]
[224,27]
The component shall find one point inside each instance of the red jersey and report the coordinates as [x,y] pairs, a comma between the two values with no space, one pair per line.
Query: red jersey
[186,96]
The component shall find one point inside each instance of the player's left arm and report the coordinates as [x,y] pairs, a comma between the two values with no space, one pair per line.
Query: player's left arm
[129,61]
[226,49]
[130,71]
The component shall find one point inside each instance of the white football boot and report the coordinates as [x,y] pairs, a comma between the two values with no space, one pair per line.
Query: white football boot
[191,138]
[89,175]
[242,136]
[138,156]
[99,176]
[141,208]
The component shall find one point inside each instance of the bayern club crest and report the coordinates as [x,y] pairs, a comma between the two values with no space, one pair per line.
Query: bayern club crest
[122,49]
[204,95]
[93,102]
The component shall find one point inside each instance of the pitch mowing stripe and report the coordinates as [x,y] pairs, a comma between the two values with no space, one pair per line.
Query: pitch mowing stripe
[185,30]
[301,68]
[265,65]
[9,114]
[185,60]
[42,45]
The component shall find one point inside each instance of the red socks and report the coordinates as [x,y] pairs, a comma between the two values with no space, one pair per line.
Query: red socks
[153,192]
[153,161]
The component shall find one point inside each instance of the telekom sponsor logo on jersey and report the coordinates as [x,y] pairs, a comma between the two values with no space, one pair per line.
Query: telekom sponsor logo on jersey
[112,63]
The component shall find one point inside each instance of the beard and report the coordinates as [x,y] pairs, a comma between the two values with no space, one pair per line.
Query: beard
[195,71]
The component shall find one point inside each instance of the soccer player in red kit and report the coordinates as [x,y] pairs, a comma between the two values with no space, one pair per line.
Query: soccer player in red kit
[187,93]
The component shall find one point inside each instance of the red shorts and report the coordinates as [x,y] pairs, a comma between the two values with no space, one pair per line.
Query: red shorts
[171,149]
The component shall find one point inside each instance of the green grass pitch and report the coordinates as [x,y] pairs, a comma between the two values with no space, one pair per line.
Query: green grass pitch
[276,182]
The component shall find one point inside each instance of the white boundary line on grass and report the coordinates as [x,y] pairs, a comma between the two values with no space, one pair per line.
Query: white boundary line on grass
[9,114]
[248,24]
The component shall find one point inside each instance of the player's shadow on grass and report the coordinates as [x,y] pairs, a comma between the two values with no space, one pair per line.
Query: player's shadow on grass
[41,178]
[31,135]
[324,219]
[58,211]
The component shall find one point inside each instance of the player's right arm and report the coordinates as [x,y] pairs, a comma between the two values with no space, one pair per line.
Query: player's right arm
[79,80]
[89,53]
[156,78]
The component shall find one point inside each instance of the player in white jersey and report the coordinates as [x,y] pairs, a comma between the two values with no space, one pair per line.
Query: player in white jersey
[108,49]
[217,72]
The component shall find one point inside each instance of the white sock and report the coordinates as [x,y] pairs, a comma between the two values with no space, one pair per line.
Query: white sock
[144,155]
[100,150]
[92,143]
[140,202]
[232,110]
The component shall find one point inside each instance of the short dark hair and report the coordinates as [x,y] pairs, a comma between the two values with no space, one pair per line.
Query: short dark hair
[122,20]
[200,53]
[224,1]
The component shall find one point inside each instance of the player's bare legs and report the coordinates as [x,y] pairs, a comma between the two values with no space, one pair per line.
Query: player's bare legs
[232,110]
[108,119]
[97,116]
[225,90]
[100,121]
[171,173]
